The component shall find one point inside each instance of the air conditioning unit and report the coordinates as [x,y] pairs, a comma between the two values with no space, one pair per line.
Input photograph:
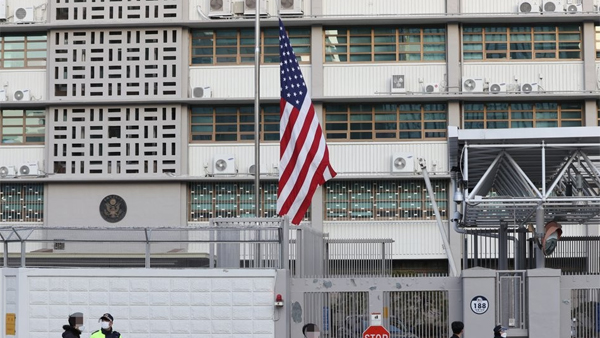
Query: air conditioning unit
[472,85]
[28,169]
[23,15]
[496,88]
[3,96]
[201,92]
[2,9]
[403,163]
[573,8]
[220,8]
[398,84]
[553,6]
[250,7]
[7,171]
[431,88]
[529,6]
[290,7]
[22,95]
[528,88]
[252,170]
[224,165]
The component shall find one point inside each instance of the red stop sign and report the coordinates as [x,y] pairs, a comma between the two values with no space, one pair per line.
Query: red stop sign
[376,332]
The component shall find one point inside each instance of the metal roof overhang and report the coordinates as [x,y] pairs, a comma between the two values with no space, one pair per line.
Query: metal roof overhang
[505,174]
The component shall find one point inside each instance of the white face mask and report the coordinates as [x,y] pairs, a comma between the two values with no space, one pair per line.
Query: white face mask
[104,325]
[81,328]
[503,334]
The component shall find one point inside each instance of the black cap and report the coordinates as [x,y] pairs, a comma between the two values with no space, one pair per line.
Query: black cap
[107,316]
[499,329]
[72,318]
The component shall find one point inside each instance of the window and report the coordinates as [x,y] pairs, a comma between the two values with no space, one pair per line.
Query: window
[21,126]
[385,44]
[208,200]
[383,200]
[597,42]
[23,51]
[21,202]
[522,42]
[233,123]
[409,121]
[522,115]
[236,46]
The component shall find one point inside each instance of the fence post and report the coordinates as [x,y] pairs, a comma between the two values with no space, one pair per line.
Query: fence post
[285,243]
[502,246]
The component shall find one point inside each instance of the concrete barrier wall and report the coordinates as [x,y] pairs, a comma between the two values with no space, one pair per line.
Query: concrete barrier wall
[144,302]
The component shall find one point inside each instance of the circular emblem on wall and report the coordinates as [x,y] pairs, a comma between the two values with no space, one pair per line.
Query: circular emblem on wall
[113,208]
[479,305]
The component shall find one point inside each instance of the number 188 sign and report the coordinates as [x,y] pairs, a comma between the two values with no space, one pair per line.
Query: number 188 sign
[479,305]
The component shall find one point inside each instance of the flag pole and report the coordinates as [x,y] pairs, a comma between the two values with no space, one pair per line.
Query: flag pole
[257,110]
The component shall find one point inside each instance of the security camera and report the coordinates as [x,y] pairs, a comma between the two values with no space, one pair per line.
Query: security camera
[456,217]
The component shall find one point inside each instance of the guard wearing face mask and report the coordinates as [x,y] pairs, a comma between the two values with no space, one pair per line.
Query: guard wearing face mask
[499,332]
[106,330]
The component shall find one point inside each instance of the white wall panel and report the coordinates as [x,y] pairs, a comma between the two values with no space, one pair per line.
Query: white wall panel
[492,7]
[238,82]
[383,7]
[34,80]
[352,79]
[346,158]
[412,240]
[557,76]
[17,155]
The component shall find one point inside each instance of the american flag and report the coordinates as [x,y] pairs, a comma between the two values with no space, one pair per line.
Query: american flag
[304,158]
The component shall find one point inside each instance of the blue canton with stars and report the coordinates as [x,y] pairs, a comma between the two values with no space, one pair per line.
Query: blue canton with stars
[293,87]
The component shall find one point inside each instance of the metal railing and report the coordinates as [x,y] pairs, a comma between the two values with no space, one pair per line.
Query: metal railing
[223,243]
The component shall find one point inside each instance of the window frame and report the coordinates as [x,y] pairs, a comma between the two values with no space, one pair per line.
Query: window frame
[38,114]
[294,34]
[27,42]
[333,121]
[597,40]
[402,43]
[384,200]
[511,112]
[507,41]
[269,119]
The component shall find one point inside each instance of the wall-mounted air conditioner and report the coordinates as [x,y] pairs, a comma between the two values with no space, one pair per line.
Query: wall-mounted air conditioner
[573,8]
[2,9]
[252,170]
[397,84]
[201,92]
[220,8]
[290,7]
[22,95]
[23,15]
[553,6]
[250,7]
[3,96]
[403,163]
[496,88]
[28,169]
[431,88]
[472,85]
[528,88]
[530,6]
[224,165]
[7,171]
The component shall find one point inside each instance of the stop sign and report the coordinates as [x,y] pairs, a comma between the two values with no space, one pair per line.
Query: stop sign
[376,332]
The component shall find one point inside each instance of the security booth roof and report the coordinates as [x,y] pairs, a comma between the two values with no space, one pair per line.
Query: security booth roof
[507,173]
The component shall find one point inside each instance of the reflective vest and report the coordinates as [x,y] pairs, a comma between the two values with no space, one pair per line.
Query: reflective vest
[103,334]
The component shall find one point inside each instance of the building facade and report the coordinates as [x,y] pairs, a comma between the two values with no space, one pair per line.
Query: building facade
[140,113]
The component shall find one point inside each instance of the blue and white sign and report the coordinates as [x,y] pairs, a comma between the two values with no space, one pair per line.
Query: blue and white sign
[479,305]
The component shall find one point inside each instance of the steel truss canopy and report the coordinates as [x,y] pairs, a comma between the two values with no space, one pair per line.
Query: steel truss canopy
[505,174]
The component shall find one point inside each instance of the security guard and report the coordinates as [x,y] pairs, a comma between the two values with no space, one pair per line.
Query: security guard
[106,322]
